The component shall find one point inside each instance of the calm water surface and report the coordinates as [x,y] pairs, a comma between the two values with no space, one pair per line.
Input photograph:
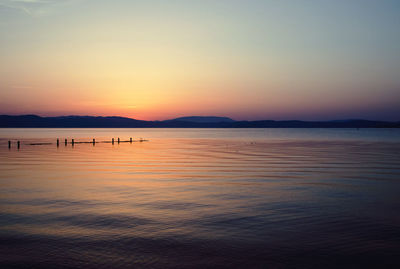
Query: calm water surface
[201,198]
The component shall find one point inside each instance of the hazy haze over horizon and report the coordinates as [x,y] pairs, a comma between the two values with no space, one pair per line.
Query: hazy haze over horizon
[156,60]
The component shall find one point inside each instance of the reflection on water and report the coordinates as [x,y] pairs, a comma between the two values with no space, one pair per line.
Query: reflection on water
[201,198]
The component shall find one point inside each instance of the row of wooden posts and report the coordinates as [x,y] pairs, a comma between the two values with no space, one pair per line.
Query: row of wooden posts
[18,144]
[73,142]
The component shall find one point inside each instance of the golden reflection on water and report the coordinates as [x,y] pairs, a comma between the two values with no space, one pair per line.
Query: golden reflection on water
[196,188]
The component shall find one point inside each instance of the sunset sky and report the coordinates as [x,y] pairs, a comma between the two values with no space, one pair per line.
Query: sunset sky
[310,60]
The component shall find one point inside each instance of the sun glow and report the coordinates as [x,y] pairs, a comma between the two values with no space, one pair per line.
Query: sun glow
[150,60]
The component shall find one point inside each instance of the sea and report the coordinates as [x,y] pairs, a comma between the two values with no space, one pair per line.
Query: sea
[200,198]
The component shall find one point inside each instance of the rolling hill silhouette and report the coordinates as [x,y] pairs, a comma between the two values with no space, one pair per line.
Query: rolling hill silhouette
[204,119]
[34,121]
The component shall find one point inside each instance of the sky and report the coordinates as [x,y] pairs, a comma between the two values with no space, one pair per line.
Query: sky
[245,59]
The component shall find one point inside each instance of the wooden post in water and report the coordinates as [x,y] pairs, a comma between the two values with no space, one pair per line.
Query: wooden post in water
[9,144]
[58,142]
[18,144]
[118,140]
[94,141]
[66,142]
[130,140]
[112,140]
[72,142]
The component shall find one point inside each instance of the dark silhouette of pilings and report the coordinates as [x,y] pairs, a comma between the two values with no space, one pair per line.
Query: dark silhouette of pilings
[73,142]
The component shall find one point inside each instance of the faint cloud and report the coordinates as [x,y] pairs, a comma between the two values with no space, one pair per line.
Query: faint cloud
[34,7]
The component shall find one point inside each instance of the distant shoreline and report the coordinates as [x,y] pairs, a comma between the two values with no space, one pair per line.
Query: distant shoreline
[34,121]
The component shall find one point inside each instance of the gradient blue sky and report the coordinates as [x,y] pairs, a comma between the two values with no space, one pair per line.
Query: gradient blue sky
[308,60]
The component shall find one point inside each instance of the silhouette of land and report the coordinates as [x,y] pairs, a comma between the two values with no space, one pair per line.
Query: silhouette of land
[204,119]
[34,121]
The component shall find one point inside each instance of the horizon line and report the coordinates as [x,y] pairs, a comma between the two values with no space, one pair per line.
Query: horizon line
[205,116]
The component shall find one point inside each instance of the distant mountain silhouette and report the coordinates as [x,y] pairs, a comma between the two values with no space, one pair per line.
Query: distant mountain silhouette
[33,121]
[69,122]
[204,119]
